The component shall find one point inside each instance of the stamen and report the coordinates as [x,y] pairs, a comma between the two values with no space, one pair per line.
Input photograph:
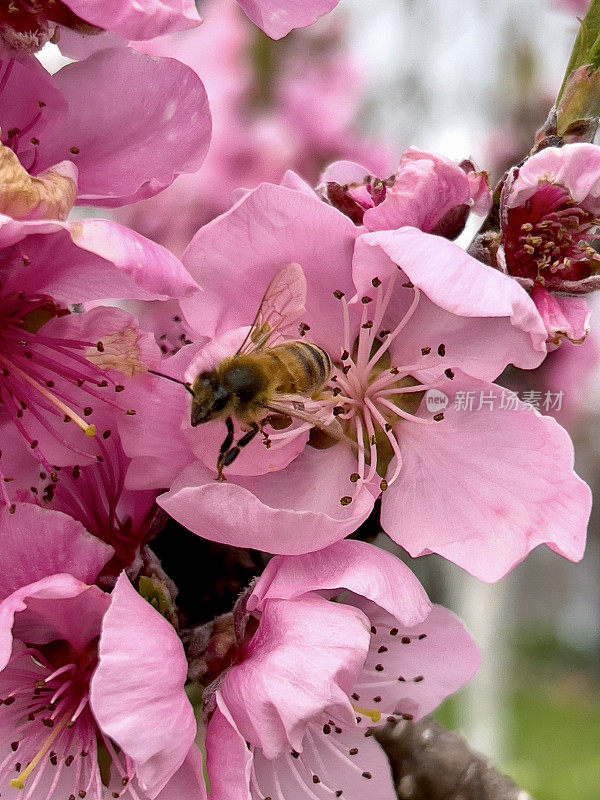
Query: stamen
[18,783]
[89,430]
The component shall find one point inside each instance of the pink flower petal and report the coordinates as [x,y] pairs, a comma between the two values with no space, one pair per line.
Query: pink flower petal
[278,17]
[295,510]
[145,709]
[350,564]
[53,608]
[247,246]
[302,661]
[411,670]
[36,542]
[491,320]
[484,487]
[574,166]
[90,260]
[122,156]
[228,760]
[188,782]
[344,172]
[134,20]
[427,186]
[564,317]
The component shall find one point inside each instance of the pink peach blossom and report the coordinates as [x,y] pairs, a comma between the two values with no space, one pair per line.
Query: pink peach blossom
[548,212]
[449,325]
[83,673]
[428,191]
[56,365]
[308,689]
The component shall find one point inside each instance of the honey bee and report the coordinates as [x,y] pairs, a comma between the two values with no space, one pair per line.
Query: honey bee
[263,381]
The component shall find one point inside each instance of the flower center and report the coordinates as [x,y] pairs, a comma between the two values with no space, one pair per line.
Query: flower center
[54,733]
[368,394]
[48,380]
[548,238]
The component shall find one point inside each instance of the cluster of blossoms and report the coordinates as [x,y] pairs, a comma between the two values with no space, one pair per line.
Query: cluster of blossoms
[103,336]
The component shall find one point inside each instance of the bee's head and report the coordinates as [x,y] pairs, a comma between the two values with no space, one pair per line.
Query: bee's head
[210,398]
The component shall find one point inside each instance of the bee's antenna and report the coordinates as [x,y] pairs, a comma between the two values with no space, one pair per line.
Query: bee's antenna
[175,380]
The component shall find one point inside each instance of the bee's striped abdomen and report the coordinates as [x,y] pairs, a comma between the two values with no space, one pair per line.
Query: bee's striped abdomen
[303,368]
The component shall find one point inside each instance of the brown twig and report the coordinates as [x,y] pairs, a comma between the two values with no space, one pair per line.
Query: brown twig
[431,763]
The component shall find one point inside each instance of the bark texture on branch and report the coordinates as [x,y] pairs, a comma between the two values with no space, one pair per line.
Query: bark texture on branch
[431,763]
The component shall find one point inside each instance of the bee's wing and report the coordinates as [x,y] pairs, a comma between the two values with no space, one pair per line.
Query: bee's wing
[282,305]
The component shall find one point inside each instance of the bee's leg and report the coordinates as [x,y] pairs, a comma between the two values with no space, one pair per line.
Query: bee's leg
[227,442]
[230,456]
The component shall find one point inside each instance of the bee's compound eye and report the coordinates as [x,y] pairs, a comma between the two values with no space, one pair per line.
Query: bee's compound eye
[220,399]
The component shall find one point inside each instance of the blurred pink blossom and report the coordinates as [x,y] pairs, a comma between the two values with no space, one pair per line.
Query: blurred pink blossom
[301,115]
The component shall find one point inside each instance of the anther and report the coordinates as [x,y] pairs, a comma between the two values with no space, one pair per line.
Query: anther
[438,417]
[376,282]
[442,350]
[449,374]
[337,410]
[383,485]
[119,388]
[425,351]
[365,300]
[345,501]
[74,150]
[130,412]
[367,325]
[354,477]
[338,295]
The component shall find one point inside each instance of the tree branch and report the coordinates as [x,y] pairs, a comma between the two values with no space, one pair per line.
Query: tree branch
[431,763]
